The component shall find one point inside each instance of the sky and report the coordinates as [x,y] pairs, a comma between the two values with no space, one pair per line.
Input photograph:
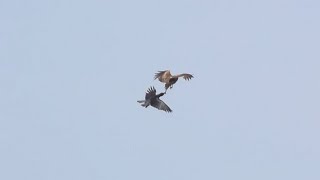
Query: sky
[71,72]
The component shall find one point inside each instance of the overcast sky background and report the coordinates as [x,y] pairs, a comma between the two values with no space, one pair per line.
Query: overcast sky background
[71,72]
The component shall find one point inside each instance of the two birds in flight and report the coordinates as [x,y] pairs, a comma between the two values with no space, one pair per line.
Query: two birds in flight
[153,99]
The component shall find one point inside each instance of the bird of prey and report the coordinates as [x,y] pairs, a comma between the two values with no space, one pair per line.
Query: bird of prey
[168,79]
[152,99]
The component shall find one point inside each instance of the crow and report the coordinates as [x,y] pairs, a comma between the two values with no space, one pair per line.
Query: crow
[152,99]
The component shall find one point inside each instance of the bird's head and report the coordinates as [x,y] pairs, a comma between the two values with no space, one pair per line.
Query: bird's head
[161,94]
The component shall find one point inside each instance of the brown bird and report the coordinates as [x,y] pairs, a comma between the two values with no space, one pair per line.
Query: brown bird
[168,79]
[152,99]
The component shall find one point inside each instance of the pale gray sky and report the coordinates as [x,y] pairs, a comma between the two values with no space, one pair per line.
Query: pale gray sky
[72,70]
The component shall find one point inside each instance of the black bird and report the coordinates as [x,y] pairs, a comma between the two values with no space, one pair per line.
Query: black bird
[152,99]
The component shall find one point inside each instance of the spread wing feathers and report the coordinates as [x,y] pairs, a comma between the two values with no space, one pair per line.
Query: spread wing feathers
[163,76]
[151,92]
[159,104]
[185,76]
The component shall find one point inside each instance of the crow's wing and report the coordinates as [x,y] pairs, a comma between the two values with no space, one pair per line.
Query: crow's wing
[159,104]
[151,92]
